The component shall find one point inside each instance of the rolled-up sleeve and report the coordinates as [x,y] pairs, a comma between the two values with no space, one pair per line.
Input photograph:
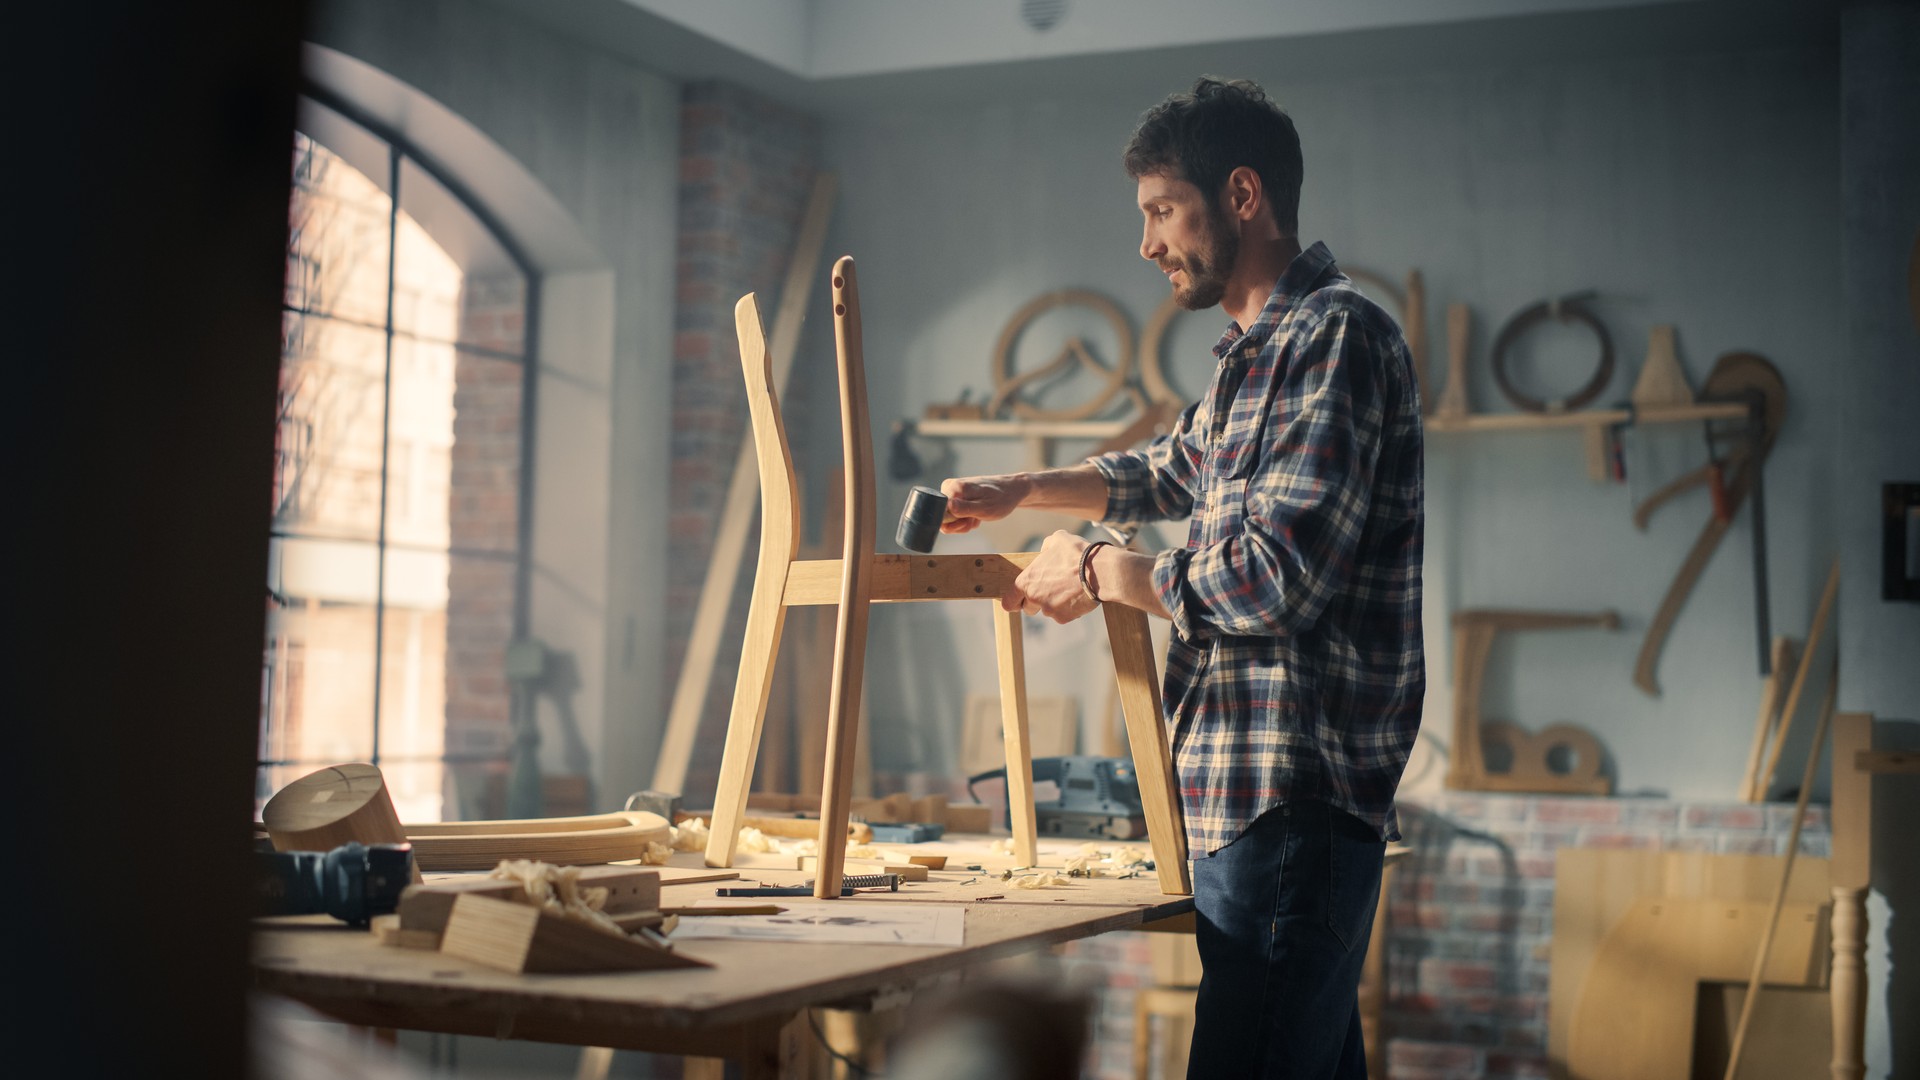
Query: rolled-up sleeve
[1156,482]
[1306,498]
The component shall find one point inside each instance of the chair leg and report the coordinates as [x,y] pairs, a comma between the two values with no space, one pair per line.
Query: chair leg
[758,653]
[1010,649]
[1134,670]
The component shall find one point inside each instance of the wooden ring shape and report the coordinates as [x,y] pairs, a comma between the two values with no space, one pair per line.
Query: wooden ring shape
[1566,311]
[1533,759]
[1006,384]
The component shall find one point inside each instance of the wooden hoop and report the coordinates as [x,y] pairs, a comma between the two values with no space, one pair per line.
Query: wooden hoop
[1566,311]
[1006,384]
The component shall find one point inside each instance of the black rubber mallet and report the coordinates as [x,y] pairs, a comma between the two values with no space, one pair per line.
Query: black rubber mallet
[920,519]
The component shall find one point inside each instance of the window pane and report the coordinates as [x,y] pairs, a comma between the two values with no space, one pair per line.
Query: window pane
[338,237]
[317,691]
[327,449]
[452,278]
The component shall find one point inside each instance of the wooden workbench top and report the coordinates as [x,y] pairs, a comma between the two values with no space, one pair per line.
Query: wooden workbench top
[346,973]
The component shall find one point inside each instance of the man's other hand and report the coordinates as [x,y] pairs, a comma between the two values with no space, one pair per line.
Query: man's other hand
[1050,585]
[974,499]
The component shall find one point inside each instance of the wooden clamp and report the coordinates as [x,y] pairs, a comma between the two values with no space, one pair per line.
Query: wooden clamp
[1532,770]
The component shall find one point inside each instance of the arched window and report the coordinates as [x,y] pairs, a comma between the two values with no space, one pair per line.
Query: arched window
[397,574]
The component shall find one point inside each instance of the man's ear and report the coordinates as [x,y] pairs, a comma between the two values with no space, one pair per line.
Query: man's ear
[1243,193]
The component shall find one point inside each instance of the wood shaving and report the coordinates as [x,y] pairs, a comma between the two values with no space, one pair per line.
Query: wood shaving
[558,889]
[1042,880]
[753,841]
[690,835]
[1002,847]
[656,854]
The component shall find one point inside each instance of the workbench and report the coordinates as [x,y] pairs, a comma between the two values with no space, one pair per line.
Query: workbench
[750,1006]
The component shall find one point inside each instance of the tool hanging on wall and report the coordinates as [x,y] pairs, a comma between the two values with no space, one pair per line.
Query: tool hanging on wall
[1565,309]
[1736,377]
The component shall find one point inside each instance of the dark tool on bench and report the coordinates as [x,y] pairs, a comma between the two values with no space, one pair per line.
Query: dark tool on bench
[1099,798]
[352,883]
[848,884]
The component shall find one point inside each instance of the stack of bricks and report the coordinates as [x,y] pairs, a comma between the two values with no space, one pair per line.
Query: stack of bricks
[746,167]
[1470,922]
[484,513]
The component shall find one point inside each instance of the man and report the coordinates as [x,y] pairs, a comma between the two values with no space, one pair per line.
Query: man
[1295,674]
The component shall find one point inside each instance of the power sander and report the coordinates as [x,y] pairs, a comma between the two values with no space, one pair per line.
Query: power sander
[1099,798]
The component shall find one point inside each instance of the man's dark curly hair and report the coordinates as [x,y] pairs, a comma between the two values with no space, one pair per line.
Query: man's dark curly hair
[1221,124]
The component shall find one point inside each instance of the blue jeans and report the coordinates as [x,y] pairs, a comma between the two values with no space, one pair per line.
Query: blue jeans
[1283,917]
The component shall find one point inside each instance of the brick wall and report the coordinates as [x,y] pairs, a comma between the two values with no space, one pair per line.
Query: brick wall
[746,166]
[484,514]
[1470,922]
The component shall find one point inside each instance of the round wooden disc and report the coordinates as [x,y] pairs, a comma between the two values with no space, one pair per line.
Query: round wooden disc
[325,809]
[1735,373]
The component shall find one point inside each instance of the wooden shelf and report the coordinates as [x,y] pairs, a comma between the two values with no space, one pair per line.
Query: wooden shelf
[1585,418]
[1023,429]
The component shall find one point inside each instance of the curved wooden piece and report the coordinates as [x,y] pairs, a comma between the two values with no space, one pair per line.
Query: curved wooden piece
[1473,632]
[1530,750]
[1006,384]
[1687,481]
[850,630]
[568,841]
[766,616]
[1683,582]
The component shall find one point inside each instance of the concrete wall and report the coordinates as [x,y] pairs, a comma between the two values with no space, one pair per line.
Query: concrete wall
[1698,192]
[594,141]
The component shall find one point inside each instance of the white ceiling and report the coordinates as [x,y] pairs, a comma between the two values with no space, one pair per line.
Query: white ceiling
[853,56]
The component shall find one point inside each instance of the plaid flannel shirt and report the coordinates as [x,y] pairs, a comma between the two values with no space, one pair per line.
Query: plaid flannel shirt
[1296,669]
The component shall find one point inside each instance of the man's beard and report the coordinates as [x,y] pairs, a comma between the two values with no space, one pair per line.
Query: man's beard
[1207,273]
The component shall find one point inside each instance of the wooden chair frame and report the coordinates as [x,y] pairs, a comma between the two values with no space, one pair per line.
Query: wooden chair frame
[861,578]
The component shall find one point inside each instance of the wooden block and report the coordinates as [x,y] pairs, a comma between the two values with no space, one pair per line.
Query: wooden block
[427,907]
[524,939]
[1661,384]
[931,809]
[931,862]
[388,931]
[1176,960]
[909,872]
[968,818]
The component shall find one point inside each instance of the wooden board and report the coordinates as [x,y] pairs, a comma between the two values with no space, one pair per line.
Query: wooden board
[1647,970]
[1593,888]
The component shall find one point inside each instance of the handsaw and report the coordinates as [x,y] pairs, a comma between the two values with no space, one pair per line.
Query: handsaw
[1735,376]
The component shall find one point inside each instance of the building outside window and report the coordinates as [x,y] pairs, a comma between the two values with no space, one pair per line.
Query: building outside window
[395,581]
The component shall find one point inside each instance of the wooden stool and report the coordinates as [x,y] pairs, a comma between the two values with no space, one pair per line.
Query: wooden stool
[860,578]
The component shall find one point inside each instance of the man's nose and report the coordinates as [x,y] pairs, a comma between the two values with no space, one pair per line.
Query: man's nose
[1150,246]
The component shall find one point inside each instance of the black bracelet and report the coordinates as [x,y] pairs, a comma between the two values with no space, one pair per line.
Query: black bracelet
[1086,561]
